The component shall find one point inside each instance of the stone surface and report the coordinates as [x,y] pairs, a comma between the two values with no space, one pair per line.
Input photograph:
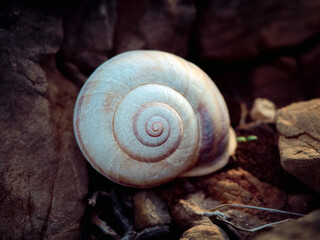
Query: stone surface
[236,186]
[299,143]
[95,31]
[150,210]
[42,173]
[161,25]
[89,30]
[310,68]
[263,109]
[238,29]
[277,80]
[305,228]
[239,186]
[191,209]
[204,229]
[300,203]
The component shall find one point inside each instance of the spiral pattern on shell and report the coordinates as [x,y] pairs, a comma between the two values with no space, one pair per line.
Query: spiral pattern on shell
[146,117]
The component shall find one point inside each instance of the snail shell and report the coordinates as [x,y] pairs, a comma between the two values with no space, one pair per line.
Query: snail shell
[146,117]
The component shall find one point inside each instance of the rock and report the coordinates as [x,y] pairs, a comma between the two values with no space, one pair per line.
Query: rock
[310,68]
[204,229]
[185,213]
[200,200]
[300,203]
[237,186]
[263,109]
[150,210]
[246,219]
[231,31]
[241,187]
[277,81]
[299,143]
[191,209]
[305,228]
[42,173]
[191,212]
[161,25]
[89,32]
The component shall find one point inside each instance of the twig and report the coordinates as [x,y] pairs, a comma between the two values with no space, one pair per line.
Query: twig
[104,227]
[152,232]
[222,217]
[257,208]
[118,212]
[129,235]
[93,200]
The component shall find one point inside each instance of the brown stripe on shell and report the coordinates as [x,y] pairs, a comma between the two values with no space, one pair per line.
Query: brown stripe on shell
[210,147]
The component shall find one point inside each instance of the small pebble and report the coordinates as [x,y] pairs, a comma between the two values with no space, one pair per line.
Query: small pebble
[150,210]
[263,109]
[204,230]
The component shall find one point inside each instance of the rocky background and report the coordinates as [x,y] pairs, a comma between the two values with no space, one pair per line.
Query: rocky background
[251,49]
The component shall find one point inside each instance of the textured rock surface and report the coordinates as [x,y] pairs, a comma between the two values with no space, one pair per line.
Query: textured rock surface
[88,37]
[277,81]
[239,186]
[42,173]
[299,142]
[191,209]
[204,229]
[150,210]
[95,31]
[311,72]
[239,29]
[162,25]
[306,228]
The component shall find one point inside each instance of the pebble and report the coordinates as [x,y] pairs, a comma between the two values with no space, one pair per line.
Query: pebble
[204,230]
[263,109]
[192,209]
[150,210]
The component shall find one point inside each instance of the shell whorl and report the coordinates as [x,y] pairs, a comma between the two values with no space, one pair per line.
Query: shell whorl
[146,117]
[148,124]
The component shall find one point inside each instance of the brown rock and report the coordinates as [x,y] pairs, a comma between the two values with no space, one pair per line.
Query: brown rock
[150,210]
[239,186]
[89,31]
[186,211]
[236,29]
[161,25]
[300,203]
[299,142]
[42,173]
[310,68]
[205,230]
[306,228]
[263,110]
[277,81]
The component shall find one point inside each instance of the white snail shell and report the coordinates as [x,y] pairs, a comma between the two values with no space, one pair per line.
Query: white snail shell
[146,117]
